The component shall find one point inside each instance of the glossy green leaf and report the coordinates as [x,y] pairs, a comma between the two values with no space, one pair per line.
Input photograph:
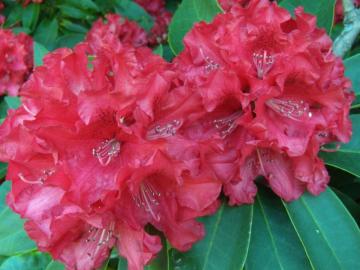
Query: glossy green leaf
[188,13]
[32,261]
[225,245]
[12,102]
[13,238]
[30,16]
[55,265]
[273,237]
[351,205]
[47,32]
[347,158]
[322,9]
[39,52]
[134,12]
[352,71]
[159,50]
[329,234]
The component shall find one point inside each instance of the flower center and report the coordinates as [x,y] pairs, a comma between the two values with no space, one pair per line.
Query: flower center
[226,125]
[97,238]
[294,109]
[210,64]
[40,179]
[164,131]
[263,62]
[147,199]
[106,151]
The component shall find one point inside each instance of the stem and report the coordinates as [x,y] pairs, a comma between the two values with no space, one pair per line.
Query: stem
[346,39]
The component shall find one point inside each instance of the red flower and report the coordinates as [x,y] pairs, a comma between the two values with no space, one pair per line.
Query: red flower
[115,33]
[162,18]
[85,138]
[16,53]
[270,86]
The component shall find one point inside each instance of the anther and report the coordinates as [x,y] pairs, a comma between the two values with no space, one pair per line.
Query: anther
[164,131]
[226,125]
[147,199]
[263,63]
[106,151]
[44,175]
[294,109]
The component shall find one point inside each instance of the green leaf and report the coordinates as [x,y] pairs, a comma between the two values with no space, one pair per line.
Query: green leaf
[30,16]
[13,238]
[47,32]
[350,204]
[34,261]
[73,12]
[122,265]
[273,238]
[347,158]
[188,13]
[159,50]
[54,265]
[69,41]
[12,102]
[3,170]
[225,245]
[14,16]
[83,4]
[322,9]
[134,12]
[73,27]
[329,234]
[39,52]
[352,71]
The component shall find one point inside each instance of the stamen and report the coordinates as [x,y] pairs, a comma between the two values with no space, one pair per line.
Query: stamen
[45,174]
[164,131]
[294,109]
[106,151]
[331,150]
[97,238]
[263,63]
[210,63]
[227,125]
[147,199]
[259,155]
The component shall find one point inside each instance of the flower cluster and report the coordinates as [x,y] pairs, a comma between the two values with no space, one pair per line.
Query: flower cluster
[16,61]
[85,174]
[272,95]
[120,139]
[114,33]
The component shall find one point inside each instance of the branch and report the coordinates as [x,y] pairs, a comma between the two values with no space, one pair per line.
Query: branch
[346,39]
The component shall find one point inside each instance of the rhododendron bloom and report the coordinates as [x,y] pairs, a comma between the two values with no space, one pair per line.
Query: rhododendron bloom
[162,18]
[16,53]
[115,32]
[273,89]
[82,137]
